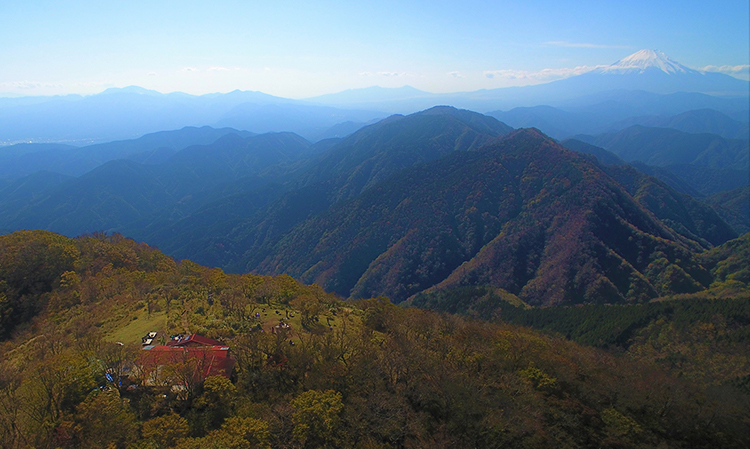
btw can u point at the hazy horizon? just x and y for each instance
(298, 50)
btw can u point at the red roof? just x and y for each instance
(194, 340)
(194, 354)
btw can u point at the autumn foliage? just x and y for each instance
(365, 374)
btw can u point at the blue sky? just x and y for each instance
(299, 49)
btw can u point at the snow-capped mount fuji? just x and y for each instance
(650, 71)
(647, 71)
(646, 60)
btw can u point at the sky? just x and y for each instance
(300, 49)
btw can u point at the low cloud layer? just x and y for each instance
(539, 75)
(737, 71)
(28, 85)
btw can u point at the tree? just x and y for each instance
(10, 407)
(316, 418)
(58, 384)
(31, 263)
(116, 357)
(165, 430)
(104, 420)
(214, 405)
(309, 307)
(236, 433)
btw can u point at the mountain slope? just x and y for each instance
(522, 214)
(73, 161)
(20, 192)
(371, 155)
(734, 207)
(375, 375)
(349, 167)
(694, 180)
(662, 147)
(554, 122)
(681, 212)
(708, 180)
(673, 201)
(109, 196)
(123, 194)
(696, 122)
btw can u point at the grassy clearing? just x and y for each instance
(132, 330)
(129, 330)
(326, 320)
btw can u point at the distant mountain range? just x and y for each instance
(663, 147)
(123, 193)
(23, 159)
(131, 112)
(697, 122)
(646, 83)
(597, 119)
(646, 70)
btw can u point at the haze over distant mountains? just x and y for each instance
(645, 83)
(131, 112)
(646, 70)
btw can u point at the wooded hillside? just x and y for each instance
(347, 374)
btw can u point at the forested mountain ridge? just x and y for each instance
(377, 151)
(734, 207)
(523, 214)
(697, 121)
(435, 199)
(344, 170)
(376, 375)
(613, 117)
(684, 214)
(124, 194)
(701, 336)
(729, 279)
(24, 159)
(599, 246)
(692, 182)
(662, 147)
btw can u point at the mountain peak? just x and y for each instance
(131, 90)
(371, 94)
(643, 60)
(438, 110)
